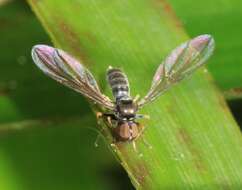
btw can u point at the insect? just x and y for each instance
(179, 64)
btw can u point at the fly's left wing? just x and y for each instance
(181, 63)
(63, 68)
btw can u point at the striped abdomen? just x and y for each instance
(119, 83)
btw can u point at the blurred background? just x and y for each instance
(41, 150)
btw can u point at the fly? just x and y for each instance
(179, 64)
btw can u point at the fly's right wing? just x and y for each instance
(63, 68)
(181, 63)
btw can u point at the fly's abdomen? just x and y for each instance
(118, 82)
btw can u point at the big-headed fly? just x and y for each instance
(179, 64)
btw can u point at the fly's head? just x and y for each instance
(126, 109)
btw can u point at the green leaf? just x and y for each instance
(195, 141)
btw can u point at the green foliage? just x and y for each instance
(196, 143)
(46, 142)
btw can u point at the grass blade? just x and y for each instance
(196, 143)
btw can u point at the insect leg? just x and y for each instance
(99, 116)
(141, 116)
(142, 128)
(97, 140)
(135, 148)
(136, 98)
(110, 118)
(146, 143)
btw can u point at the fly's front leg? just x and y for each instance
(99, 116)
(111, 119)
(106, 117)
(141, 116)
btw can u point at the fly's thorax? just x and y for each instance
(118, 82)
(126, 109)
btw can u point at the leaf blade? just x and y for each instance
(117, 33)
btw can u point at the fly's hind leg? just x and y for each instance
(136, 98)
(146, 143)
(141, 131)
(135, 148)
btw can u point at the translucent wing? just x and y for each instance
(63, 68)
(181, 63)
